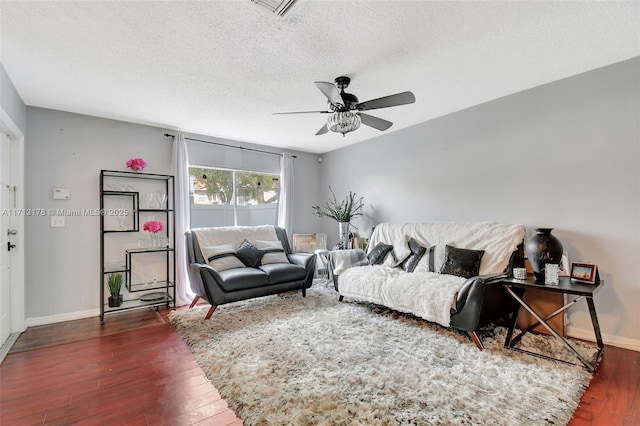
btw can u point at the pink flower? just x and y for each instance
(136, 164)
(153, 226)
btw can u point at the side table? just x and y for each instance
(517, 288)
(324, 256)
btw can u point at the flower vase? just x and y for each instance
(343, 227)
(542, 249)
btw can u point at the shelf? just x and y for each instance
(121, 193)
(109, 269)
(158, 285)
(137, 303)
(135, 175)
(149, 250)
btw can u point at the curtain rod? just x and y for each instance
(169, 135)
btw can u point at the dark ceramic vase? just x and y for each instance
(543, 248)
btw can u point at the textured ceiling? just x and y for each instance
(221, 68)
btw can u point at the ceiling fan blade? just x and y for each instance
(387, 101)
(375, 122)
(324, 129)
(302, 112)
(330, 91)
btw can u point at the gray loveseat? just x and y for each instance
(219, 287)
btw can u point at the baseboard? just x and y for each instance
(51, 319)
(608, 339)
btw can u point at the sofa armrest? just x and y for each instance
(302, 259)
(470, 284)
(341, 260)
(198, 267)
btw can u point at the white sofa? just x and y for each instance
(466, 301)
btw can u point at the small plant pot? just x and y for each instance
(115, 301)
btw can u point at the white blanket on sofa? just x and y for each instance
(498, 240)
(235, 235)
(427, 295)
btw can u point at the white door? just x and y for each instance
(5, 226)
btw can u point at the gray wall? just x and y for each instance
(564, 155)
(69, 150)
(11, 102)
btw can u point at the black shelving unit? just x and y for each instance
(123, 187)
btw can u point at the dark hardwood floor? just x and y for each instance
(148, 376)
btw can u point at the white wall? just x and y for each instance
(69, 150)
(564, 155)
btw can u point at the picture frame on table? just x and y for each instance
(309, 243)
(584, 273)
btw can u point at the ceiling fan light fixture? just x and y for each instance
(343, 122)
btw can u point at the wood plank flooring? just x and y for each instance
(148, 376)
(145, 376)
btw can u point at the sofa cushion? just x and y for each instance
(249, 254)
(461, 262)
(417, 252)
(283, 272)
(222, 257)
(243, 278)
(273, 251)
(378, 253)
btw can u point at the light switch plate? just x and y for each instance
(57, 221)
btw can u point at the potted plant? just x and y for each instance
(115, 284)
(342, 212)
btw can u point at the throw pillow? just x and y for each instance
(378, 253)
(461, 262)
(417, 251)
(249, 254)
(399, 252)
(222, 257)
(273, 251)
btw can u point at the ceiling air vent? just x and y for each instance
(279, 7)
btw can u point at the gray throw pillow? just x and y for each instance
(417, 251)
(249, 254)
(461, 262)
(378, 253)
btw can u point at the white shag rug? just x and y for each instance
(316, 361)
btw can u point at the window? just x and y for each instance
(221, 197)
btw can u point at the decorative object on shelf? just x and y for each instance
(154, 297)
(154, 226)
(551, 274)
(136, 164)
(584, 273)
(543, 248)
(342, 212)
(115, 284)
(520, 273)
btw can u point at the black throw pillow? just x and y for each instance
(378, 253)
(417, 251)
(461, 262)
(249, 254)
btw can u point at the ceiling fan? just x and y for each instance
(346, 111)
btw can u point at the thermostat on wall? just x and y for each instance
(61, 193)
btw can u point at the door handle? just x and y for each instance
(10, 246)
(11, 232)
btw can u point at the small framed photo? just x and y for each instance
(584, 272)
